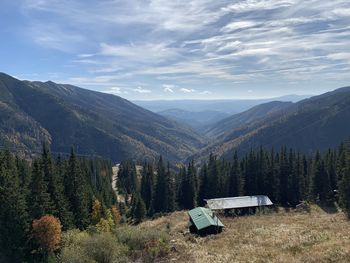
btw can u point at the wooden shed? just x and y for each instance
(203, 221)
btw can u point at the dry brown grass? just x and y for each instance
(276, 237)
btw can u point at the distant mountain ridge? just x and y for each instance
(199, 121)
(317, 123)
(96, 123)
(201, 114)
(229, 106)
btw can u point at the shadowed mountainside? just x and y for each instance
(94, 122)
(312, 124)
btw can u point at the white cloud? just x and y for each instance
(253, 5)
(142, 90)
(168, 88)
(115, 91)
(195, 41)
(205, 92)
(340, 56)
(145, 52)
(238, 25)
(184, 90)
(85, 55)
(341, 12)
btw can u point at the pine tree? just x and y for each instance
(76, 189)
(284, 173)
(171, 194)
(321, 187)
(40, 199)
(272, 182)
(213, 178)
(25, 175)
(138, 209)
(204, 186)
(330, 163)
(161, 189)
(251, 180)
(304, 180)
(14, 219)
(56, 189)
(147, 187)
(127, 177)
(344, 183)
(235, 181)
(188, 190)
(262, 172)
(294, 194)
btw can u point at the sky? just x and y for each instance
(179, 49)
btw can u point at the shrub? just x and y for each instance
(147, 242)
(80, 247)
(104, 248)
(103, 226)
(73, 247)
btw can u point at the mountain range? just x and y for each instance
(317, 123)
(229, 106)
(109, 126)
(202, 114)
(95, 123)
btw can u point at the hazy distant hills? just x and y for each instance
(198, 120)
(309, 125)
(225, 106)
(201, 114)
(96, 123)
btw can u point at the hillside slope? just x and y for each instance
(96, 123)
(283, 237)
(247, 117)
(317, 123)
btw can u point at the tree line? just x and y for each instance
(64, 188)
(286, 176)
(77, 192)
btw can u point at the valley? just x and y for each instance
(184, 131)
(108, 126)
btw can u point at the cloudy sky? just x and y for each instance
(179, 49)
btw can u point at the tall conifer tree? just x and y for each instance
(56, 189)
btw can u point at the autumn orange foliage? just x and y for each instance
(47, 233)
(96, 213)
(116, 215)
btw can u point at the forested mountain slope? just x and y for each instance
(96, 123)
(247, 117)
(309, 125)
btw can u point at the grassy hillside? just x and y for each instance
(280, 237)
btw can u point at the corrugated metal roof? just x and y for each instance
(204, 217)
(238, 202)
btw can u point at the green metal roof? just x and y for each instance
(204, 217)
